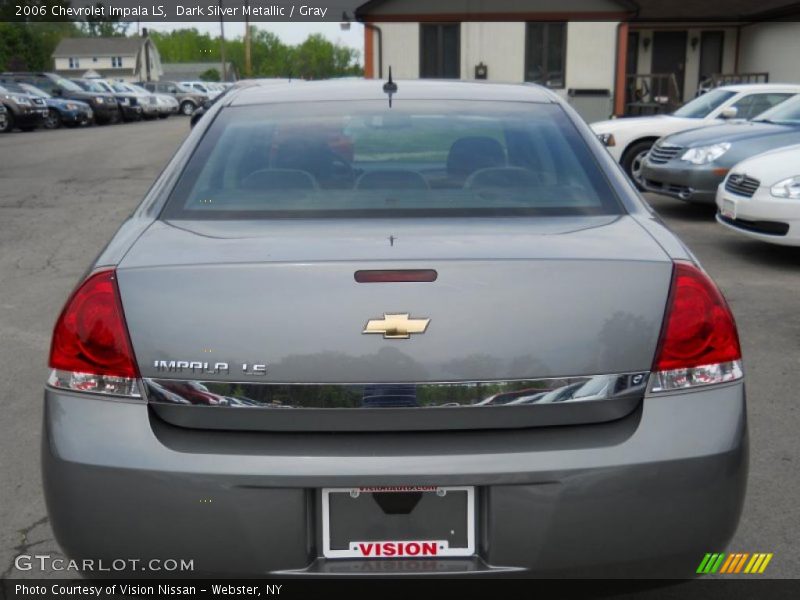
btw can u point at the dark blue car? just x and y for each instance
(60, 110)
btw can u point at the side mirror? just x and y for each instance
(196, 116)
(729, 112)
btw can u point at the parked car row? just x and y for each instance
(749, 166)
(33, 100)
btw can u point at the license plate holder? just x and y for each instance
(728, 208)
(398, 522)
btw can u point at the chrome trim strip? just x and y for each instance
(310, 396)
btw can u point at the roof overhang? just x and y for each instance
(651, 11)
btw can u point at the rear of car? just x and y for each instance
(760, 198)
(433, 324)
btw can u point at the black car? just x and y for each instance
(128, 105)
(23, 111)
(104, 106)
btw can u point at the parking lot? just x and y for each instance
(64, 192)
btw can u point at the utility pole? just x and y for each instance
(222, 42)
(248, 66)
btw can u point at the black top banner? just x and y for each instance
(180, 10)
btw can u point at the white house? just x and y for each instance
(128, 58)
(604, 56)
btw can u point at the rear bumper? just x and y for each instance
(691, 184)
(647, 495)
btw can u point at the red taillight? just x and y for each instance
(396, 276)
(699, 328)
(90, 335)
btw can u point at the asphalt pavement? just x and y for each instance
(63, 194)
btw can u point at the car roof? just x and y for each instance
(372, 89)
(762, 87)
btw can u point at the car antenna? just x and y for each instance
(390, 87)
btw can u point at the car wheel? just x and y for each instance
(8, 125)
(632, 161)
(187, 108)
(53, 119)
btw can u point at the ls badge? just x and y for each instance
(396, 326)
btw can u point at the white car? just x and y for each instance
(202, 87)
(760, 197)
(629, 139)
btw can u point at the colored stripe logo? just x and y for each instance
(734, 562)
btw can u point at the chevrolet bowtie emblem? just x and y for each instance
(396, 326)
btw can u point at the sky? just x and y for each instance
(290, 33)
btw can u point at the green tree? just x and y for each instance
(106, 26)
(30, 46)
(316, 58)
(210, 75)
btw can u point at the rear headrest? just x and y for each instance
(469, 154)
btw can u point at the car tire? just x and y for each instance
(8, 127)
(53, 119)
(632, 161)
(187, 108)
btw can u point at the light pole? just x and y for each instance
(248, 67)
(222, 42)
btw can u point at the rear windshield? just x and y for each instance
(417, 158)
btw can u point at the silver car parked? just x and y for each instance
(410, 320)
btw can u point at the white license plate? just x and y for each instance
(728, 208)
(355, 523)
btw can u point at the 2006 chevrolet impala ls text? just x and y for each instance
(359, 321)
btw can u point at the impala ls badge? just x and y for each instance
(396, 326)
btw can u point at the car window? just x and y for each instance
(364, 159)
(14, 87)
(704, 105)
(43, 83)
(753, 105)
(67, 85)
(787, 113)
(31, 89)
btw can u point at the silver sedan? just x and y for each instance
(425, 321)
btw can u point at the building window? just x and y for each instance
(116, 61)
(440, 51)
(74, 63)
(546, 54)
